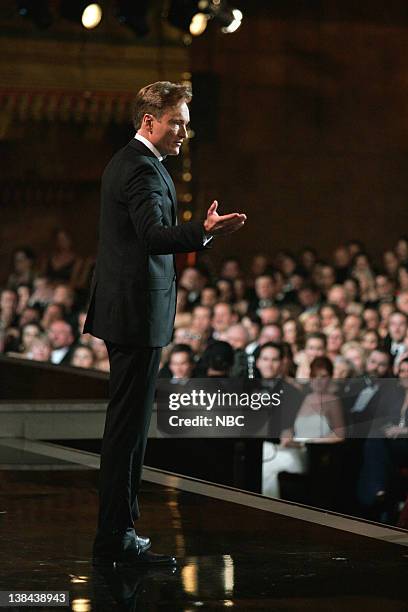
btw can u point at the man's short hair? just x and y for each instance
(274, 345)
(309, 286)
(399, 312)
(316, 336)
(182, 348)
(158, 97)
(383, 351)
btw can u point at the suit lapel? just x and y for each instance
(143, 150)
(169, 182)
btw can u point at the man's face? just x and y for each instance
(230, 269)
(356, 357)
(52, 313)
(341, 257)
(201, 321)
(403, 374)
(383, 286)
(377, 364)
(371, 318)
(265, 287)
(237, 337)
(327, 277)
(168, 132)
(269, 363)
(180, 365)
(28, 316)
(63, 295)
(397, 327)
(222, 317)
(402, 302)
(60, 335)
(8, 300)
(208, 296)
(269, 315)
(190, 279)
(337, 296)
(351, 327)
(307, 297)
(270, 333)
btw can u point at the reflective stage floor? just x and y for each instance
(231, 555)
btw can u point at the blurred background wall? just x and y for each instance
(300, 119)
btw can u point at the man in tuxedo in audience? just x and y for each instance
(394, 342)
(132, 304)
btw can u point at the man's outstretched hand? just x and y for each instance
(220, 225)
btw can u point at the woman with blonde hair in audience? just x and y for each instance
(354, 352)
(343, 368)
(41, 349)
(310, 322)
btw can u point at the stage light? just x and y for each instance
(88, 14)
(192, 16)
(134, 15)
(37, 11)
(198, 24)
(91, 17)
(189, 15)
(229, 19)
(235, 23)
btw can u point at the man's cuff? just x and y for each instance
(207, 238)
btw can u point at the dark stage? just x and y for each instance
(249, 553)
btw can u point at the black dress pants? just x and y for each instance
(133, 373)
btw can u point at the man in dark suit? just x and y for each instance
(132, 305)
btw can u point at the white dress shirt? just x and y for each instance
(58, 355)
(150, 146)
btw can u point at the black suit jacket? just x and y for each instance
(133, 291)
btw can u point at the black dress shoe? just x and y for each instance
(143, 543)
(130, 558)
(106, 552)
(134, 558)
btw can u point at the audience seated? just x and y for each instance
(346, 315)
